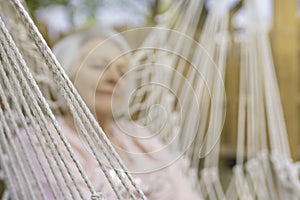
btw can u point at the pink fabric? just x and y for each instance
(149, 162)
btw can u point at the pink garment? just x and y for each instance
(156, 172)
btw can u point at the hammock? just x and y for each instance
(23, 103)
(264, 169)
(195, 100)
(189, 87)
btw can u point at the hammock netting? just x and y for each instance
(179, 95)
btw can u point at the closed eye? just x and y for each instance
(98, 66)
(121, 72)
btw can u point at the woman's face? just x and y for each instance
(99, 78)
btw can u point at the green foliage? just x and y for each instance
(87, 9)
(36, 4)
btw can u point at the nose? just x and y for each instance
(113, 75)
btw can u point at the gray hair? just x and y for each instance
(68, 52)
(69, 49)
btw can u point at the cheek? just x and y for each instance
(85, 92)
(100, 82)
(99, 78)
(83, 83)
(86, 87)
(121, 91)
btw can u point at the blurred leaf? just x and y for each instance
(33, 5)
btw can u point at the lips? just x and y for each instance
(105, 92)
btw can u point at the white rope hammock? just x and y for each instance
(183, 77)
(195, 96)
(21, 94)
(267, 171)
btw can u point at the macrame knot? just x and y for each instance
(97, 196)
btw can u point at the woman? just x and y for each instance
(100, 72)
(102, 78)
